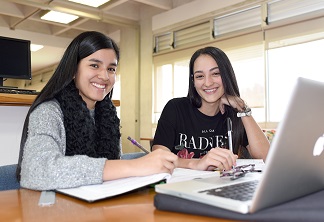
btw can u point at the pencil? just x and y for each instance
(137, 144)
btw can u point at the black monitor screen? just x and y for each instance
(15, 59)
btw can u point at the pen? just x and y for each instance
(137, 144)
(229, 132)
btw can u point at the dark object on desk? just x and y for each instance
(15, 59)
(307, 208)
(8, 180)
(18, 91)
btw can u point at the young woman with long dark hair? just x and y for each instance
(71, 133)
(195, 127)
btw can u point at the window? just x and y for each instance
(248, 64)
(171, 80)
(116, 93)
(285, 65)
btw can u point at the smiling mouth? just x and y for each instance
(99, 86)
(210, 90)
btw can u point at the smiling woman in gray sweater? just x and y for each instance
(71, 133)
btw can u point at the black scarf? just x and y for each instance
(98, 137)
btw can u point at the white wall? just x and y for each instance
(11, 124)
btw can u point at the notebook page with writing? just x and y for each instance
(112, 188)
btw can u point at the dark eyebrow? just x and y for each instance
(99, 61)
(212, 69)
(95, 60)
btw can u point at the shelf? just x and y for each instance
(25, 100)
(16, 99)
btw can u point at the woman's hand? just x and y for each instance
(220, 158)
(258, 143)
(158, 161)
(233, 101)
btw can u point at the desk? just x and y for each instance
(22, 205)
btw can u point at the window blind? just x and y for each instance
(163, 42)
(193, 34)
(279, 10)
(244, 19)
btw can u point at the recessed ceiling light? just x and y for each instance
(34, 47)
(59, 17)
(92, 3)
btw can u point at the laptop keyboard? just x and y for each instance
(241, 191)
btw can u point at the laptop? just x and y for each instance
(293, 168)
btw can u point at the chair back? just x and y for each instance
(8, 180)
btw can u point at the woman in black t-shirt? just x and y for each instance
(195, 127)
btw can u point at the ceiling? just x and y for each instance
(21, 19)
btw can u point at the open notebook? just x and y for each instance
(113, 188)
(294, 165)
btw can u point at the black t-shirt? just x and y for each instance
(189, 133)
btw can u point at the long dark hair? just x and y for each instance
(230, 88)
(82, 46)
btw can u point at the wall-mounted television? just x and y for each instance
(15, 59)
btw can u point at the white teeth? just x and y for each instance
(210, 90)
(98, 85)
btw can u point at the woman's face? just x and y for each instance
(207, 80)
(96, 76)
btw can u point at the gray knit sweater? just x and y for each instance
(44, 165)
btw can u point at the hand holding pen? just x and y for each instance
(137, 144)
